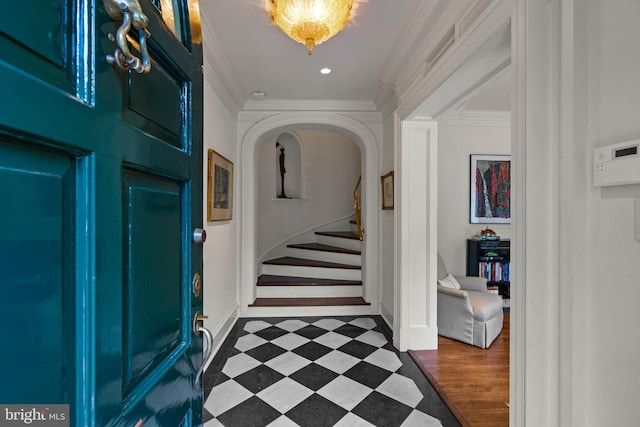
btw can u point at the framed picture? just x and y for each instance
(219, 187)
(490, 189)
(387, 191)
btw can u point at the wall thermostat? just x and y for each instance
(617, 164)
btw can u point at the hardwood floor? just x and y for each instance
(473, 382)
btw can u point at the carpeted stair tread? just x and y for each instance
(300, 262)
(342, 234)
(324, 248)
(307, 302)
(273, 280)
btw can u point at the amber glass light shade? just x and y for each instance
(194, 17)
(310, 22)
(167, 9)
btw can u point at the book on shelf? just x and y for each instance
(494, 271)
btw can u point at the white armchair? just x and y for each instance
(470, 314)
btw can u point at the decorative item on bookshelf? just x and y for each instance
(487, 234)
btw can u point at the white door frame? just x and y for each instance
(481, 53)
(416, 228)
(456, 75)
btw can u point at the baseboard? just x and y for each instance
(386, 316)
(223, 332)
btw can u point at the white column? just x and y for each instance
(416, 236)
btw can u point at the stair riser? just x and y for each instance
(354, 228)
(324, 256)
(342, 310)
(313, 272)
(339, 242)
(308, 291)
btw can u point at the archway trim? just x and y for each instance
(366, 140)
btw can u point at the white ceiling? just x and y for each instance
(366, 57)
(265, 59)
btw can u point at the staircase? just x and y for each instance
(322, 277)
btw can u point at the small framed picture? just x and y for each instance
(490, 189)
(387, 191)
(219, 187)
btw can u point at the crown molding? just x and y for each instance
(218, 71)
(476, 118)
(495, 18)
(308, 105)
(402, 53)
(389, 106)
(361, 116)
(402, 50)
(211, 79)
(437, 38)
(384, 95)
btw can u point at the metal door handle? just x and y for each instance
(130, 13)
(197, 328)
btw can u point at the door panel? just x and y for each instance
(153, 314)
(36, 274)
(158, 103)
(43, 35)
(101, 174)
(43, 46)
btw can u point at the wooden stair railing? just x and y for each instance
(356, 207)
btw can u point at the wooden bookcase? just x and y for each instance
(491, 259)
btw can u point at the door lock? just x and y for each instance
(196, 285)
(199, 236)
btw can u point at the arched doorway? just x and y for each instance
(368, 143)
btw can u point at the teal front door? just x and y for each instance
(101, 192)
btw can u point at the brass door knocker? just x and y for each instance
(130, 13)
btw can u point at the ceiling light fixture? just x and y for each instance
(325, 70)
(310, 22)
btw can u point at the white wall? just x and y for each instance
(613, 288)
(386, 265)
(330, 170)
(576, 341)
(455, 145)
(220, 250)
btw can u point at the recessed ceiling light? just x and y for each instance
(325, 70)
(258, 95)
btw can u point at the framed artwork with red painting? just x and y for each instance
(490, 189)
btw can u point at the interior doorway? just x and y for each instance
(445, 102)
(478, 126)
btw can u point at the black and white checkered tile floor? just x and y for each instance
(308, 372)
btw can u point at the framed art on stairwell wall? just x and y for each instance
(387, 190)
